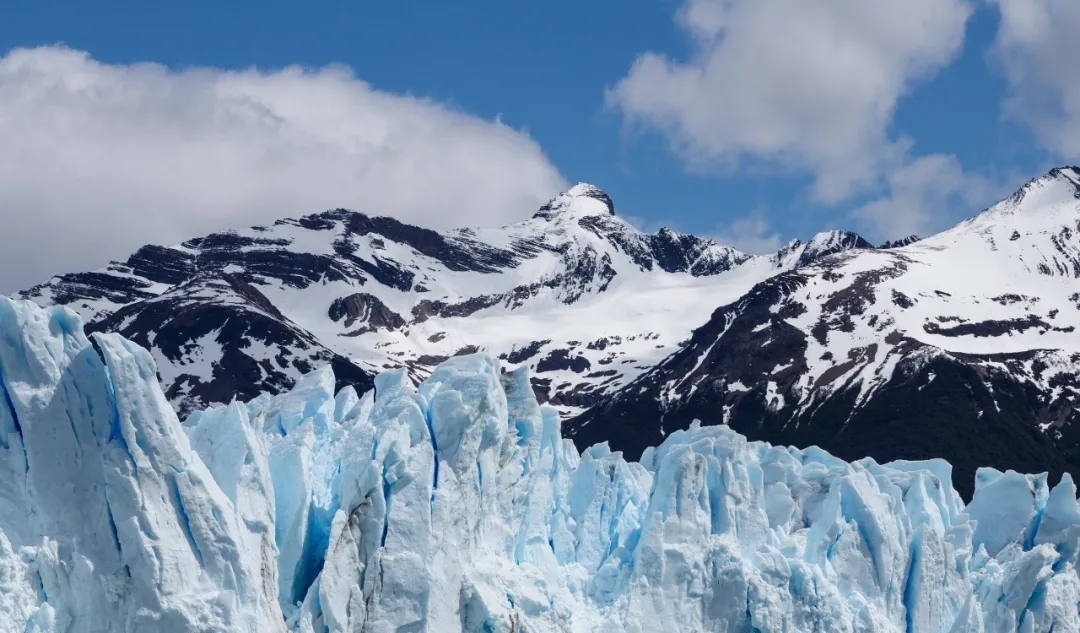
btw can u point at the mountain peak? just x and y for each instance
(796, 253)
(836, 240)
(1048, 201)
(1071, 172)
(1059, 180)
(581, 200)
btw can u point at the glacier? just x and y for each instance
(458, 506)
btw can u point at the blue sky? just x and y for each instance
(553, 70)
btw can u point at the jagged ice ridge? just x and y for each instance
(458, 506)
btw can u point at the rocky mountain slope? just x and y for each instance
(575, 292)
(960, 345)
(963, 345)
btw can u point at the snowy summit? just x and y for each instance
(581, 200)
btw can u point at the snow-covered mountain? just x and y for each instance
(575, 292)
(962, 345)
(458, 506)
(959, 345)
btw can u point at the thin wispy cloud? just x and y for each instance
(751, 234)
(1037, 46)
(922, 196)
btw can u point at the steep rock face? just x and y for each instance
(233, 314)
(366, 308)
(904, 241)
(216, 338)
(962, 346)
(458, 506)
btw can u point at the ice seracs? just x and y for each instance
(109, 520)
(458, 506)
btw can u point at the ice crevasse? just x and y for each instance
(458, 506)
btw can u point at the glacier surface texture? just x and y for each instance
(458, 506)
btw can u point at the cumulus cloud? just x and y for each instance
(924, 196)
(98, 159)
(804, 86)
(1037, 46)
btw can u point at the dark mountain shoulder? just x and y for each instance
(227, 324)
(747, 367)
(955, 416)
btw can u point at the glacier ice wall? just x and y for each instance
(458, 506)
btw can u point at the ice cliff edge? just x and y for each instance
(458, 506)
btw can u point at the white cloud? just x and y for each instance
(922, 197)
(751, 234)
(98, 159)
(1037, 46)
(804, 85)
